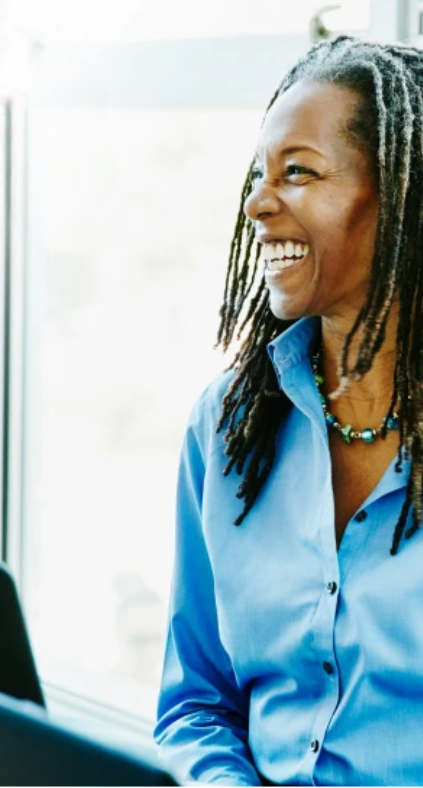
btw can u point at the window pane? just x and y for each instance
(130, 217)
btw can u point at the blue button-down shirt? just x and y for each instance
(286, 657)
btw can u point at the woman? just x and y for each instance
(295, 645)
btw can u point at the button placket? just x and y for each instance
(326, 664)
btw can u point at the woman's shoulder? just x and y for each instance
(209, 403)
(207, 409)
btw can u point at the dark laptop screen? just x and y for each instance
(18, 674)
(33, 749)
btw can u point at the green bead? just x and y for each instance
(319, 380)
(347, 432)
(367, 435)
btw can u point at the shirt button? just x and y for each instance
(328, 668)
(331, 587)
(360, 516)
(314, 745)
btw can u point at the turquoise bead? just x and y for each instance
(322, 399)
(367, 435)
(331, 418)
(392, 423)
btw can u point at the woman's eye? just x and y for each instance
(293, 171)
(256, 173)
(296, 170)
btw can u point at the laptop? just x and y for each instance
(18, 674)
(33, 749)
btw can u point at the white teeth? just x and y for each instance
(279, 265)
(283, 254)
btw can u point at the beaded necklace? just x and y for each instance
(348, 433)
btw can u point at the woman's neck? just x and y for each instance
(364, 401)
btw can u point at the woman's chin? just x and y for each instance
(287, 308)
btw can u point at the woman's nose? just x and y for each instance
(262, 202)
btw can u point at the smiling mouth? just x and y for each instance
(278, 256)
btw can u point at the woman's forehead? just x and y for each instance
(308, 114)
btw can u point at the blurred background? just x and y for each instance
(127, 127)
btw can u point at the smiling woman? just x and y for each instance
(289, 658)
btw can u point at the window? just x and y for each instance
(130, 212)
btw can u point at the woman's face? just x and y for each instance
(314, 205)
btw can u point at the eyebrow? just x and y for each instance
(294, 149)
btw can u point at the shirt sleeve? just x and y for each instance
(202, 726)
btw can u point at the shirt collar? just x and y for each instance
(295, 343)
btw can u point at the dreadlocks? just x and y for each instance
(388, 123)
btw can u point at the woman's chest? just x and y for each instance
(357, 469)
(274, 575)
